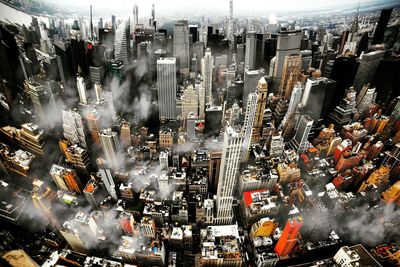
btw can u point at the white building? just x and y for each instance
(166, 80)
(233, 143)
(248, 124)
(111, 148)
(73, 127)
(207, 64)
(81, 85)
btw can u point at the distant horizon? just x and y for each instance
(220, 8)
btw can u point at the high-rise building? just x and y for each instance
(248, 124)
(207, 65)
(300, 139)
(201, 93)
(153, 16)
(121, 43)
(213, 121)
(288, 44)
(191, 126)
(193, 30)
(250, 81)
(291, 65)
(111, 148)
(365, 98)
(29, 137)
(181, 45)
(214, 169)
(379, 32)
(79, 59)
(73, 238)
(94, 192)
(166, 138)
(276, 145)
(108, 181)
(233, 142)
(306, 59)
(344, 70)
(135, 20)
(73, 127)
(230, 31)
(343, 113)
(113, 20)
(97, 74)
(126, 138)
(189, 102)
(39, 98)
(81, 86)
(368, 65)
(317, 96)
(289, 237)
(262, 93)
(76, 155)
(66, 179)
(295, 99)
(166, 80)
(94, 126)
(42, 198)
(250, 54)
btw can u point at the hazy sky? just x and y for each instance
(241, 7)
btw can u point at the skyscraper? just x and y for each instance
(343, 113)
(189, 102)
(108, 181)
(233, 142)
(78, 49)
(207, 65)
(250, 54)
(153, 16)
(288, 44)
(213, 121)
(251, 78)
(73, 127)
(42, 198)
(135, 20)
(295, 99)
(291, 64)
(317, 96)
(181, 45)
(39, 98)
(113, 19)
(111, 148)
(166, 80)
(121, 44)
(344, 70)
(262, 93)
(368, 65)
(300, 139)
(248, 124)
(126, 138)
(66, 179)
(191, 126)
(81, 86)
(229, 32)
(289, 237)
(381, 27)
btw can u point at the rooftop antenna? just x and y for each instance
(91, 23)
